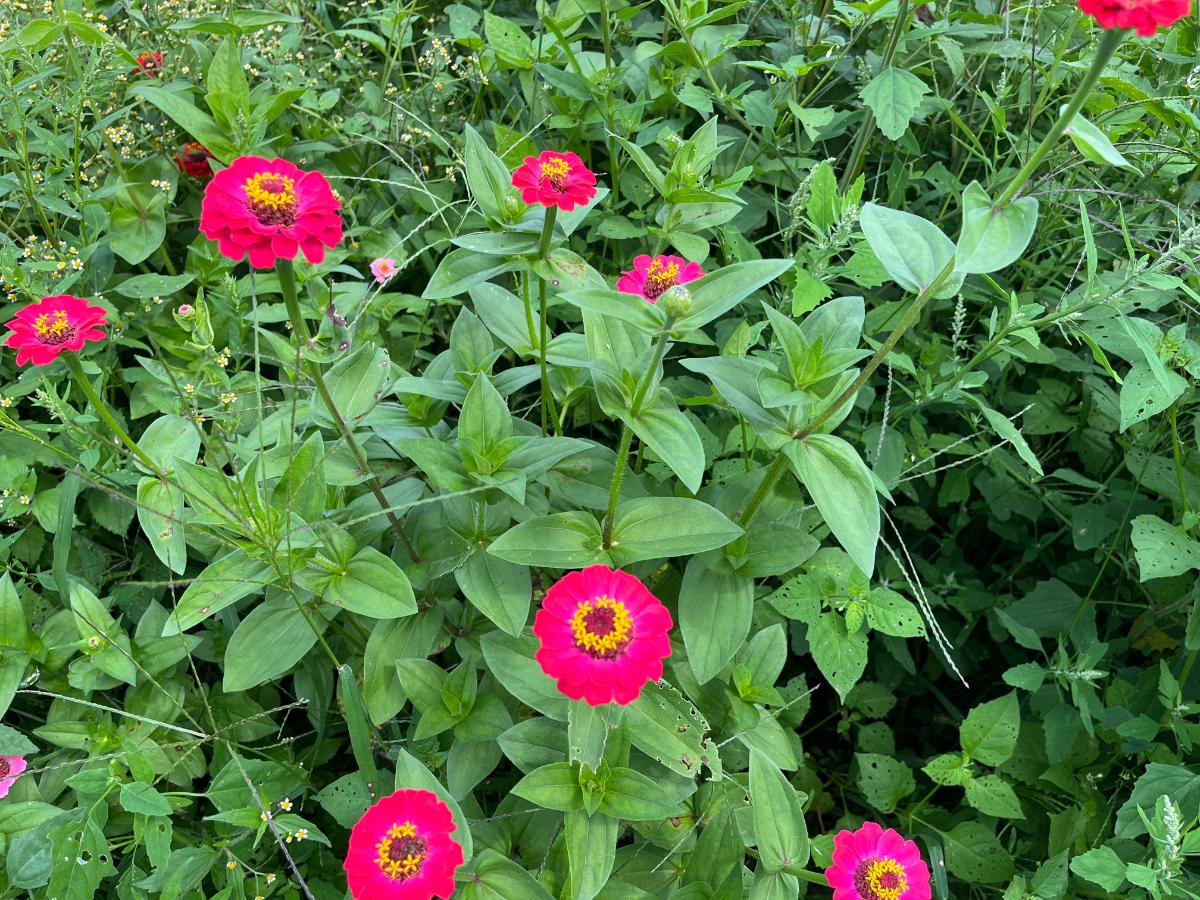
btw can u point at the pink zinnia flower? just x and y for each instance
(383, 269)
(45, 329)
(1145, 15)
(555, 179)
(603, 635)
(873, 864)
(269, 209)
(10, 768)
(401, 849)
(652, 275)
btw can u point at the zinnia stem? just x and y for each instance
(774, 472)
(635, 408)
(548, 413)
(287, 284)
(106, 415)
(1108, 46)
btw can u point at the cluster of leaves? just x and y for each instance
(971, 613)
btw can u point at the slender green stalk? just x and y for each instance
(635, 408)
(72, 361)
(1109, 43)
(1176, 450)
(287, 284)
(774, 473)
(548, 414)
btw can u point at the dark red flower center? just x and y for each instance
(602, 628)
(659, 277)
(401, 852)
(5, 768)
(880, 879)
(53, 328)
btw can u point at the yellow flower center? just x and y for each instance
(400, 853)
(602, 627)
(53, 327)
(659, 277)
(555, 171)
(881, 879)
(272, 198)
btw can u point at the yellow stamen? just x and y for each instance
(271, 197)
(602, 628)
(661, 276)
(401, 852)
(556, 170)
(53, 328)
(896, 885)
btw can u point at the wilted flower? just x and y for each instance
(651, 275)
(873, 864)
(401, 849)
(555, 179)
(148, 64)
(603, 635)
(44, 329)
(269, 209)
(194, 160)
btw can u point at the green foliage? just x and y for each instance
(913, 466)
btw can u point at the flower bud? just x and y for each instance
(676, 301)
(186, 309)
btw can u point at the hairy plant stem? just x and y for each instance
(548, 413)
(635, 408)
(287, 284)
(1109, 43)
(72, 361)
(774, 473)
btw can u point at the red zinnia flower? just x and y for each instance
(401, 849)
(555, 179)
(873, 864)
(10, 768)
(44, 329)
(193, 160)
(1144, 15)
(148, 64)
(652, 275)
(269, 209)
(603, 635)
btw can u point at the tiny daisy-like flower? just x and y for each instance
(25, 499)
(271, 878)
(1147, 16)
(269, 210)
(285, 804)
(6, 402)
(873, 864)
(555, 179)
(301, 833)
(194, 160)
(231, 865)
(10, 768)
(189, 388)
(401, 849)
(651, 276)
(45, 329)
(264, 816)
(603, 635)
(383, 269)
(200, 420)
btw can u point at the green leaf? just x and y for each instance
(1180, 783)
(669, 729)
(137, 797)
(591, 842)
(461, 270)
(587, 731)
(512, 661)
(508, 41)
(884, 781)
(14, 631)
(1143, 395)
(912, 250)
(136, 233)
(715, 609)
(372, 585)
(779, 829)
(657, 527)
(410, 773)
(634, 797)
(646, 317)
(1100, 866)
(894, 95)
(224, 582)
(975, 855)
(160, 516)
(1006, 429)
(993, 796)
(569, 540)
(843, 490)
(267, 643)
(989, 733)
(991, 238)
(226, 77)
(892, 614)
(95, 624)
(1094, 144)
(355, 383)
(496, 877)
(720, 291)
(555, 786)
(499, 589)
(1162, 549)
(187, 116)
(143, 287)
(13, 743)
(487, 176)
(948, 769)
(841, 657)
(673, 438)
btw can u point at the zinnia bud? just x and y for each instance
(676, 301)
